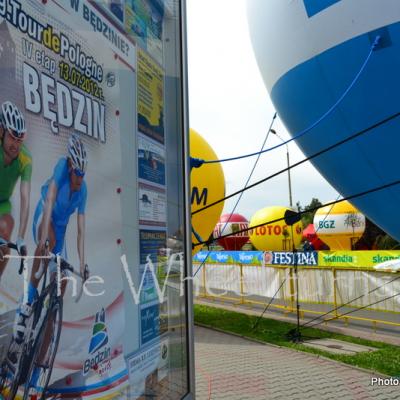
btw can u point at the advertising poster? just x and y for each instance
(59, 192)
(150, 97)
(152, 205)
(149, 323)
(151, 242)
(142, 363)
(144, 21)
(148, 293)
(151, 161)
(163, 365)
(83, 191)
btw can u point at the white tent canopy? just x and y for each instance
(389, 266)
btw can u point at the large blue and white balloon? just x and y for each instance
(308, 52)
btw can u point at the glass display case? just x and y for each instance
(94, 216)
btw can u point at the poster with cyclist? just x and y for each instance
(62, 117)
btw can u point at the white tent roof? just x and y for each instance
(389, 266)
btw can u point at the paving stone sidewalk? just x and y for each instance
(229, 367)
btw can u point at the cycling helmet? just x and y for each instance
(77, 153)
(12, 119)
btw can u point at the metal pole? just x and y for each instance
(334, 291)
(288, 166)
(241, 285)
(296, 272)
(292, 294)
(296, 336)
(204, 281)
(289, 180)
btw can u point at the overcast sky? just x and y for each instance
(231, 109)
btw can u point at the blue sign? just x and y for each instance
(230, 257)
(248, 257)
(289, 258)
(257, 257)
(151, 243)
(149, 323)
(151, 166)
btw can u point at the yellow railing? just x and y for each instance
(359, 281)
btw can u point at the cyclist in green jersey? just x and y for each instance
(15, 163)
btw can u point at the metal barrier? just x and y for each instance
(333, 286)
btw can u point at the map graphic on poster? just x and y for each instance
(150, 97)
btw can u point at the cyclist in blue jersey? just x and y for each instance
(61, 196)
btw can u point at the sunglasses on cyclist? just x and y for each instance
(17, 136)
(79, 173)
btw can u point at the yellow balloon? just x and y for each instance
(207, 186)
(340, 226)
(276, 236)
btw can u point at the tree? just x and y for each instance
(308, 216)
(375, 238)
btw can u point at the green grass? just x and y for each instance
(385, 360)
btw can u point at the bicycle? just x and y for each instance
(6, 368)
(43, 325)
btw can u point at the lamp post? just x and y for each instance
(288, 166)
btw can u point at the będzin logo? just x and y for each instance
(99, 359)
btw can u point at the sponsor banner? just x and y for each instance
(151, 161)
(351, 259)
(229, 257)
(300, 258)
(150, 99)
(152, 205)
(365, 259)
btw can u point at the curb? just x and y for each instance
(392, 340)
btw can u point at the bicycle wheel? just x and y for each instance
(10, 371)
(44, 353)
